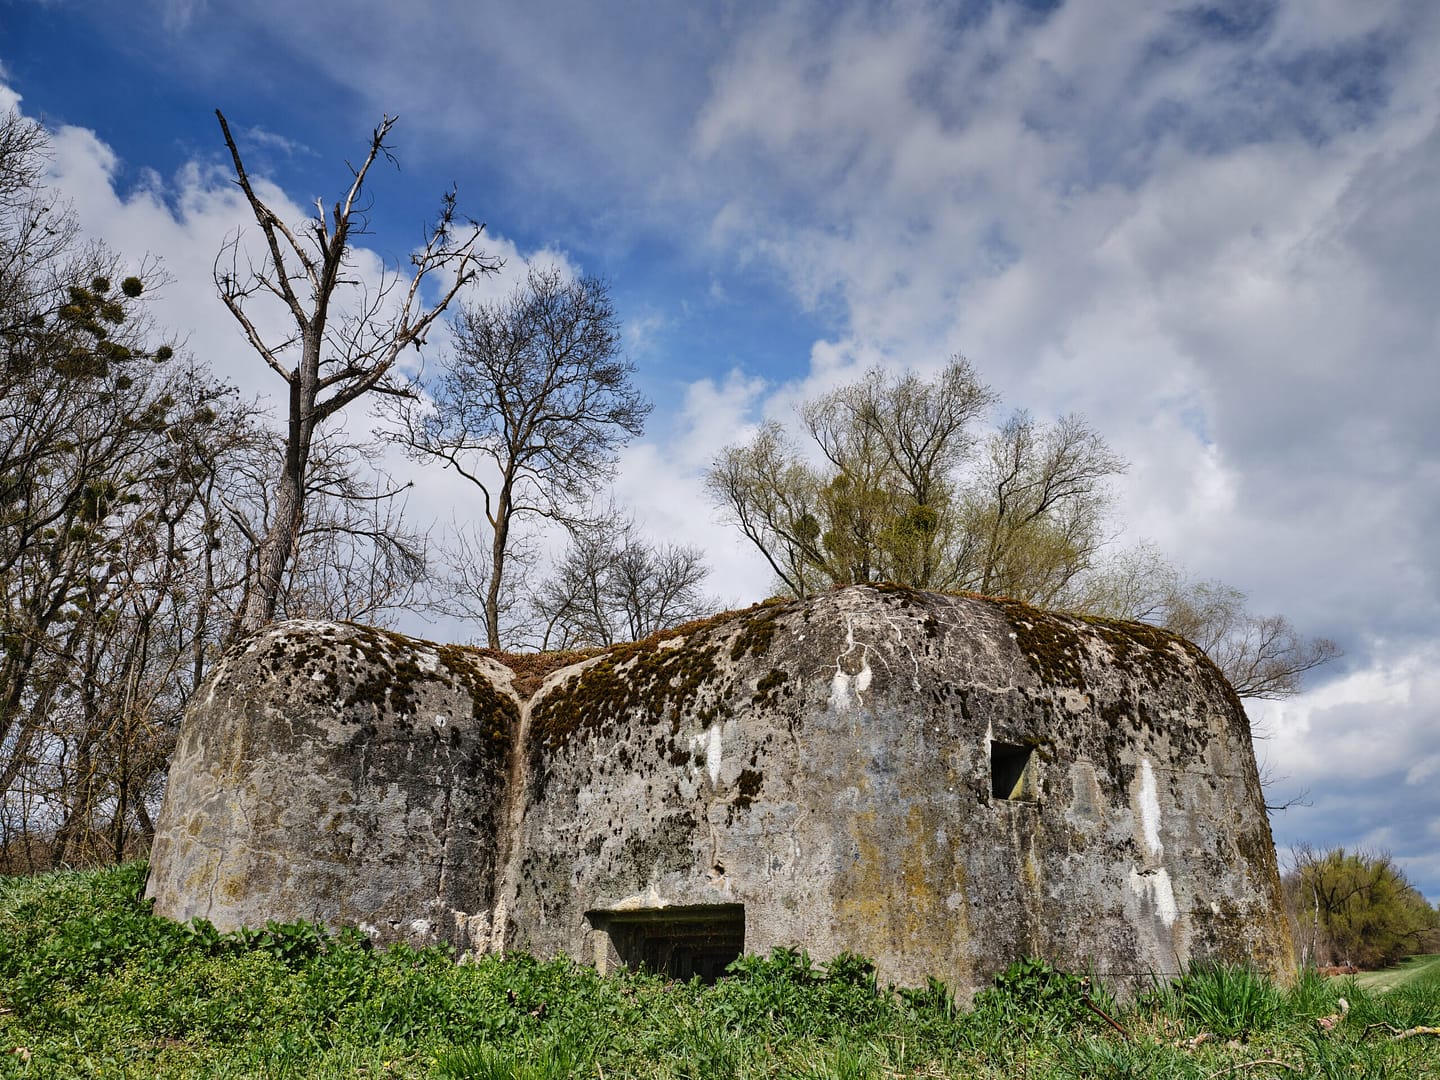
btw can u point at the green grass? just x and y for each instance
(1415, 971)
(91, 984)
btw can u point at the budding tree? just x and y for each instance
(898, 487)
(342, 335)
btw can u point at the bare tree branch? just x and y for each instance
(339, 359)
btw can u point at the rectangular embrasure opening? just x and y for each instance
(679, 942)
(1010, 771)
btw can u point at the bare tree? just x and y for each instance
(613, 585)
(531, 408)
(332, 352)
(458, 581)
(356, 558)
(1263, 656)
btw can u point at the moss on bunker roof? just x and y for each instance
(663, 674)
(677, 670)
(1057, 645)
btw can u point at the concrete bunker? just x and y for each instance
(821, 774)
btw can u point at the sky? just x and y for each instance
(1213, 229)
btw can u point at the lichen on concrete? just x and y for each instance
(827, 764)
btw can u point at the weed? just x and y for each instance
(558, 1059)
(1033, 997)
(1228, 1000)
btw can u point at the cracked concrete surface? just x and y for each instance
(827, 764)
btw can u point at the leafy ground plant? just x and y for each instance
(92, 984)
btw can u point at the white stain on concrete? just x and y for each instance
(1149, 806)
(862, 678)
(842, 683)
(709, 744)
(712, 754)
(1154, 888)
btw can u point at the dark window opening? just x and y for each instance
(679, 942)
(1010, 771)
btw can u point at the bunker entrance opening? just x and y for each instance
(680, 942)
(1010, 771)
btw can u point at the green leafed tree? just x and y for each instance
(1356, 909)
(901, 486)
(900, 483)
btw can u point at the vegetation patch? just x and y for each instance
(768, 689)
(1143, 650)
(496, 715)
(658, 681)
(757, 632)
(660, 677)
(385, 667)
(747, 786)
(92, 984)
(1416, 971)
(1055, 652)
(1055, 646)
(532, 669)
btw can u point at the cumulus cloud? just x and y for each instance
(1217, 294)
(1363, 747)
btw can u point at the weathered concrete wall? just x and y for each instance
(342, 775)
(827, 765)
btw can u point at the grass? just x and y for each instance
(1415, 971)
(91, 984)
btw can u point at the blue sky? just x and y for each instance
(1212, 228)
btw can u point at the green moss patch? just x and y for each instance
(1055, 645)
(1049, 642)
(496, 715)
(660, 677)
(660, 681)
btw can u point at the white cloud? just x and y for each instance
(663, 483)
(1363, 747)
(273, 140)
